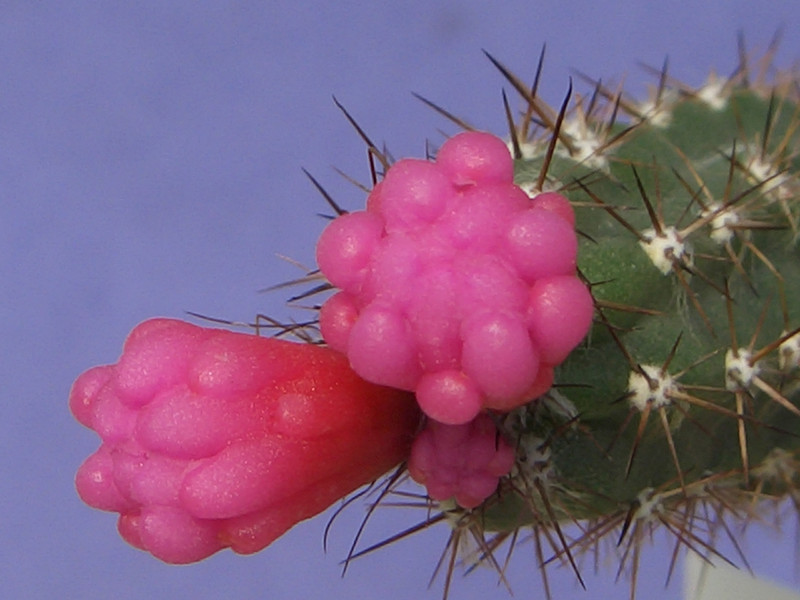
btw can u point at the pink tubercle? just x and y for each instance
(462, 462)
(540, 244)
(337, 316)
(413, 193)
(474, 157)
(449, 397)
(559, 314)
(382, 349)
(555, 203)
(146, 367)
(345, 247)
(500, 357)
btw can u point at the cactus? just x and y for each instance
(683, 400)
(681, 407)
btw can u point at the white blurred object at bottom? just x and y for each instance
(723, 582)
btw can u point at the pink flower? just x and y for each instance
(214, 439)
(455, 284)
(460, 462)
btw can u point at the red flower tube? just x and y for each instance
(215, 439)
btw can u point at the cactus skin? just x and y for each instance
(678, 317)
(686, 394)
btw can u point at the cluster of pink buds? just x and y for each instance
(457, 285)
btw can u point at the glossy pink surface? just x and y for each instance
(214, 439)
(463, 462)
(454, 283)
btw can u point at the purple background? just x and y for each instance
(150, 157)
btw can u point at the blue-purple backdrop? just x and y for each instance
(150, 163)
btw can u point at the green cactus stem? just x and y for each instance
(685, 397)
(686, 393)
